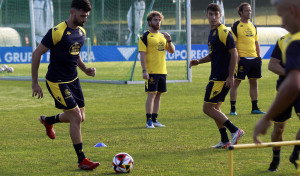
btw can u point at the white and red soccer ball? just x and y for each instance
(123, 163)
(4, 68)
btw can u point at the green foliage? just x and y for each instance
(115, 115)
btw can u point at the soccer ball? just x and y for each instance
(2, 70)
(10, 70)
(4, 67)
(122, 163)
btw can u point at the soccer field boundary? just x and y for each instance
(262, 145)
(28, 78)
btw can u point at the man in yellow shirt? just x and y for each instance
(245, 35)
(152, 46)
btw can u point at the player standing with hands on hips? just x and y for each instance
(246, 38)
(152, 46)
(223, 58)
(65, 41)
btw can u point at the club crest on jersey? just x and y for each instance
(161, 46)
(248, 32)
(214, 33)
(75, 48)
(68, 33)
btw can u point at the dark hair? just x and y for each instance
(84, 5)
(153, 14)
(241, 7)
(213, 7)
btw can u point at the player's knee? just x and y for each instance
(76, 116)
(206, 108)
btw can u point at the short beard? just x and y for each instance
(155, 27)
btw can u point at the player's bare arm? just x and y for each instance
(87, 70)
(257, 49)
(143, 63)
(200, 61)
(35, 64)
(232, 65)
(171, 47)
(283, 100)
(275, 67)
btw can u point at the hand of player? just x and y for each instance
(146, 75)
(167, 36)
(36, 90)
(229, 81)
(193, 63)
(90, 71)
(260, 128)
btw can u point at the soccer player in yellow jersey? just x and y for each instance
(245, 35)
(152, 48)
(289, 10)
(65, 41)
(223, 58)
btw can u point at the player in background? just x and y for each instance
(152, 46)
(289, 11)
(276, 66)
(65, 41)
(245, 36)
(223, 58)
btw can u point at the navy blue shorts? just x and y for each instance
(287, 114)
(67, 95)
(250, 68)
(156, 83)
(216, 92)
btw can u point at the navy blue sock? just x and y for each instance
(230, 126)
(296, 152)
(79, 152)
(149, 116)
(232, 103)
(224, 136)
(154, 117)
(52, 119)
(254, 105)
(276, 155)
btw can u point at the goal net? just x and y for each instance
(113, 29)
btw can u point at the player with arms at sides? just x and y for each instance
(276, 66)
(288, 92)
(245, 36)
(223, 58)
(152, 48)
(65, 41)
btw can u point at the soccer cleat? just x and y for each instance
(257, 111)
(274, 166)
(86, 164)
(149, 124)
(236, 136)
(157, 124)
(293, 161)
(221, 145)
(49, 128)
(233, 113)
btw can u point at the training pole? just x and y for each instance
(262, 145)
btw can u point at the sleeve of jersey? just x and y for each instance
(276, 52)
(47, 40)
(230, 43)
(234, 31)
(142, 46)
(293, 56)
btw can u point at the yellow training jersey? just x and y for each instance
(154, 45)
(245, 36)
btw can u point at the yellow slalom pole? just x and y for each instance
(262, 145)
(230, 162)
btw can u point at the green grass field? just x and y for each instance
(115, 115)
